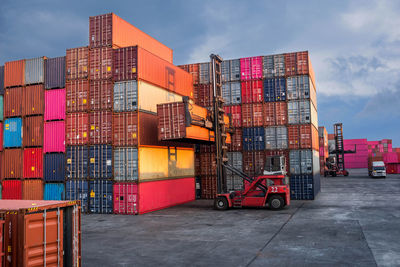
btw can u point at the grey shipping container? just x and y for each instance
(268, 63)
(1, 80)
(125, 96)
(231, 92)
(300, 87)
(55, 73)
(204, 73)
(230, 70)
(125, 164)
(276, 138)
(302, 112)
(233, 181)
(34, 70)
(279, 65)
(305, 161)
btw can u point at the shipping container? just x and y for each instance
(193, 69)
(77, 95)
(252, 91)
(78, 190)
(304, 66)
(100, 127)
(304, 161)
(125, 130)
(125, 164)
(54, 105)
(12, 132)
(231, 92)
(41, 233)
(1, 80)
(111, 31)
(125, 96)
(77, 63)
(158, 195)
(230, 70)
(303, 137)
(208, 164)
(236, 143)
(101, 95)
(236, 115)
(77, 162)
(275, 113)
(54, 136)
(204, 95)
(276, 138)
(204, 73)
(33, 163)
(101, 196)
(11, 189)
(233, 181)
(33, 131)
(12, 160)
(100, 161)
(301, 88)
(33, 100)
(14, 73)
(252, 115)
(32, 189)
(208, 186)
(290, 64)
(125, 198)
(54, 73)
(274, 66)
(54, 191)
(54, 167)
(274, 89)
(125, 64)
(13, 102)
(1, 108)
(34, 70)
(77, 129)
(268, 67)
(251, 68)
(302, 112)
(1, 137)
(253, 138)
(280, 152)
(253, 163)
(304, 187)
(101, 63)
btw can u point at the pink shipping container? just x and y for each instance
(54, 105)
(390, 157)
(54, 136)
(251, 68)
(125, 198)
(252, 91)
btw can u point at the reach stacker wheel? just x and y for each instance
(221, 203)
(276, 202)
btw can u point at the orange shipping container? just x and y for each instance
(14, 73)
(193, 69)
(303, 137)
(13, 102)
(77, 63)
(77, 95)
(33, 131)
(32, 189)
(12, 163)
(112, 31)
(275, 113)
(33, 100)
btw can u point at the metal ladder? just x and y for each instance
(338, 130)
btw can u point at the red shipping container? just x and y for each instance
(33, 131)
(77, 63)
(125, 130)
(32, 189)
(100, 127)
(236, 113)
(253, 162)
(252, 115)
(13, 102)
(54, 105)
(304, 66)
(125, 198)
(125, 64)
(303, 137)
(208, 164)
(14, 73)
(252, 91)
(77, 129)
(193, 69)
(33, 100)
(275, 113)
(236, 143)
(204, 95)
(208, 186)
(33, 163)
(77, 95)
(101, 63)
(290, 64)
(11, 164)
(12, 189)
(101, 95)
(54, 136)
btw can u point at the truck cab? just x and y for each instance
(378, 169)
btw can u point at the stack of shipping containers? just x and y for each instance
(323, 148)
(1, 120)
(272, 101)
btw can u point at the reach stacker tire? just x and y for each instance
(276, 202)
(221, 203)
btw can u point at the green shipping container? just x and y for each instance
(1, 108)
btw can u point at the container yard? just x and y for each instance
(219, 162)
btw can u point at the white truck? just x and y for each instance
(377, 169)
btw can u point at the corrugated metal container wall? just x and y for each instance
(78, 190)
(275, 113)
(126, 164)
(208, 187)
(1, 137)
(204, 96)
(252, 91)
(274, 66)
(290, 64)
(34, 70)
(77, 63)
(12, 132)
(150, 96)
(77, 162)
(33, 100)
(1, 80)
(302, 112)
(14, 73)
(253, 138)
(101, 63)
(101, 196)
(236, 141)
(251, 68)
(1, 108)
(304, 162)
(234, 182)
(279, 65)
(12, 102)
(32, 189)
(204, 73)
(232, 93)
(304, 187)
(230, 70)
(252, 115)
(268, 66)
(301, 87)
(54, 167)
(125, 64)
(303, 137)
(33, 163)
(101, 94)
(77, 129)
(208, 165)
(12, 163)
(253, 162)
(33, 131)
(12, 189)
(54, 108)
(54, 137)
(125, 198)
(284, 153)
(77, 95)
(276, 138)
(125, 96)
(100, 163)
(274, 89)
(55, 73)
(236, 113)
(193, 69)
(54, 192)
(100, 127)
(125, 130)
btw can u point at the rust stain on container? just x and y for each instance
(77, 95)
(13, 102)
(77, 129)
(33, 131)
(100, 127)
(12, 163)
(32, 189)
(33, 100)
(125, 129)
(14, 73)
(101, 63)
(77, 64)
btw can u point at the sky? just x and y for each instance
(354, 45)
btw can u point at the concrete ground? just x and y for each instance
(355, 221)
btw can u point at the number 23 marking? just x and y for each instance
(274, 189)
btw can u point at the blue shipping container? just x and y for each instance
(304, 187)
(253, 138)
(77, 162)
(275, 89)
(1, 108)
(54, 192)
(54, 167)
(1, 80)
(13, 132)
(78, 190)
(100, 163)
(101, 196)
